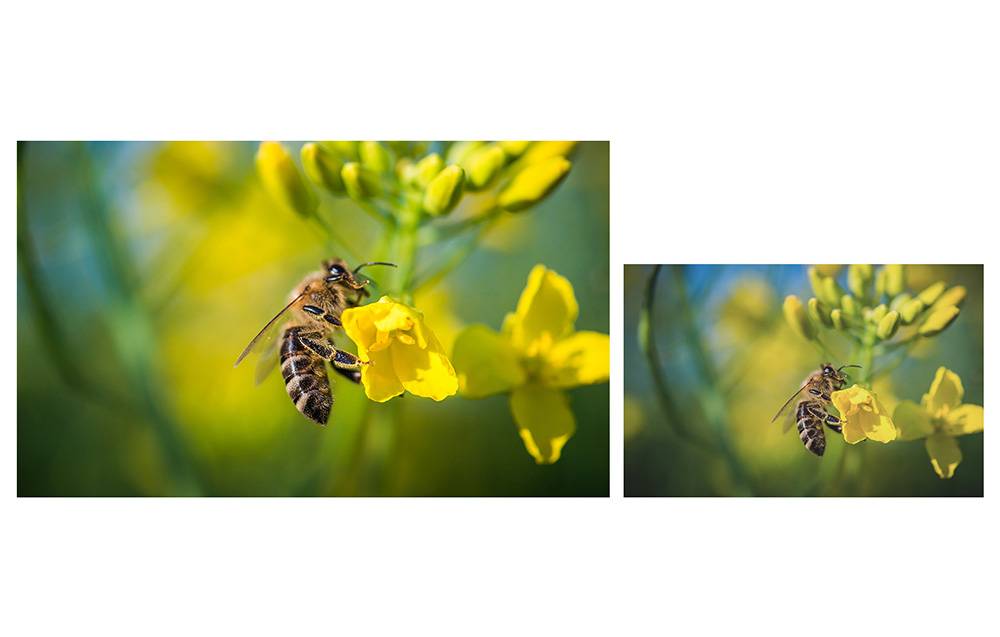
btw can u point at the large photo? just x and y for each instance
(400, 318)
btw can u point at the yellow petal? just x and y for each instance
(544, 420)
(912, 420)
(359, 325)
(545, 312)
(486, 362)
(402, 349)
(583, 358)
(964, 419)
(945, 454)
(945, 393)
(426, 371)
(865, 414)
(379, 377)
(853, 433)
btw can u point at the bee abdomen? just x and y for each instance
(809, 417)
(305, 378)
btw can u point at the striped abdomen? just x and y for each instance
(305, 378)
(810, 415)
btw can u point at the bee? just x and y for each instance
(811, 413)
(307, 327)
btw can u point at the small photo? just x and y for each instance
(803, 380)
(320, 318)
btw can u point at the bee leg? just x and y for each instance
(321, 313)
(346, 360)
(324, 349)
(834, 423)
(353, 375)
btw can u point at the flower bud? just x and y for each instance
(832, 292)
(444, 191)
(901, 300)
(879, 313)
(939, 320)
(954, 296)
(323, 168)
(513, 149)
(795, 314)
(819, 314)
(359, 183)
(534, 183)
(406, 170)
(460, 151)
(816, 281)
(850, 306)
(347, 151)
(887, 325)
(910, 310)
(894, 280)
(859, 278)
(483, 165)
(282, 179)
(374, 157)
(541, 151)
(836, 316)
(931, 293)
(828, 270)
(427, 169)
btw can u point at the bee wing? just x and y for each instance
(788, 425)
(267, 359)
(787, 422)
(264, 343)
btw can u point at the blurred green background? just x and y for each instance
(145, 268)
(730, 361)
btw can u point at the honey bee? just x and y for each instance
(811, 413)
(307, 326)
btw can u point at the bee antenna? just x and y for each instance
(843, 366)
(358, 269)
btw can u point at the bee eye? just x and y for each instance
(336, 270)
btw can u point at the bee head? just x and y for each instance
(337, 272)
(837, 374)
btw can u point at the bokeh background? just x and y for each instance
(145, 268)
(730, 361)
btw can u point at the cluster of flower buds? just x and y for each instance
(875, 307)
(417, 178)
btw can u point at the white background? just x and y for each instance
(741, 132)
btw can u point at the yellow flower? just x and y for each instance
(864, 416)
(402, 352)
(939, 418)
(535, 357)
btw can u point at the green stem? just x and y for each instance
(469, 223)
(406, 253)
(713, 403)
(648, 344)
(454, 260)
(867, 356)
